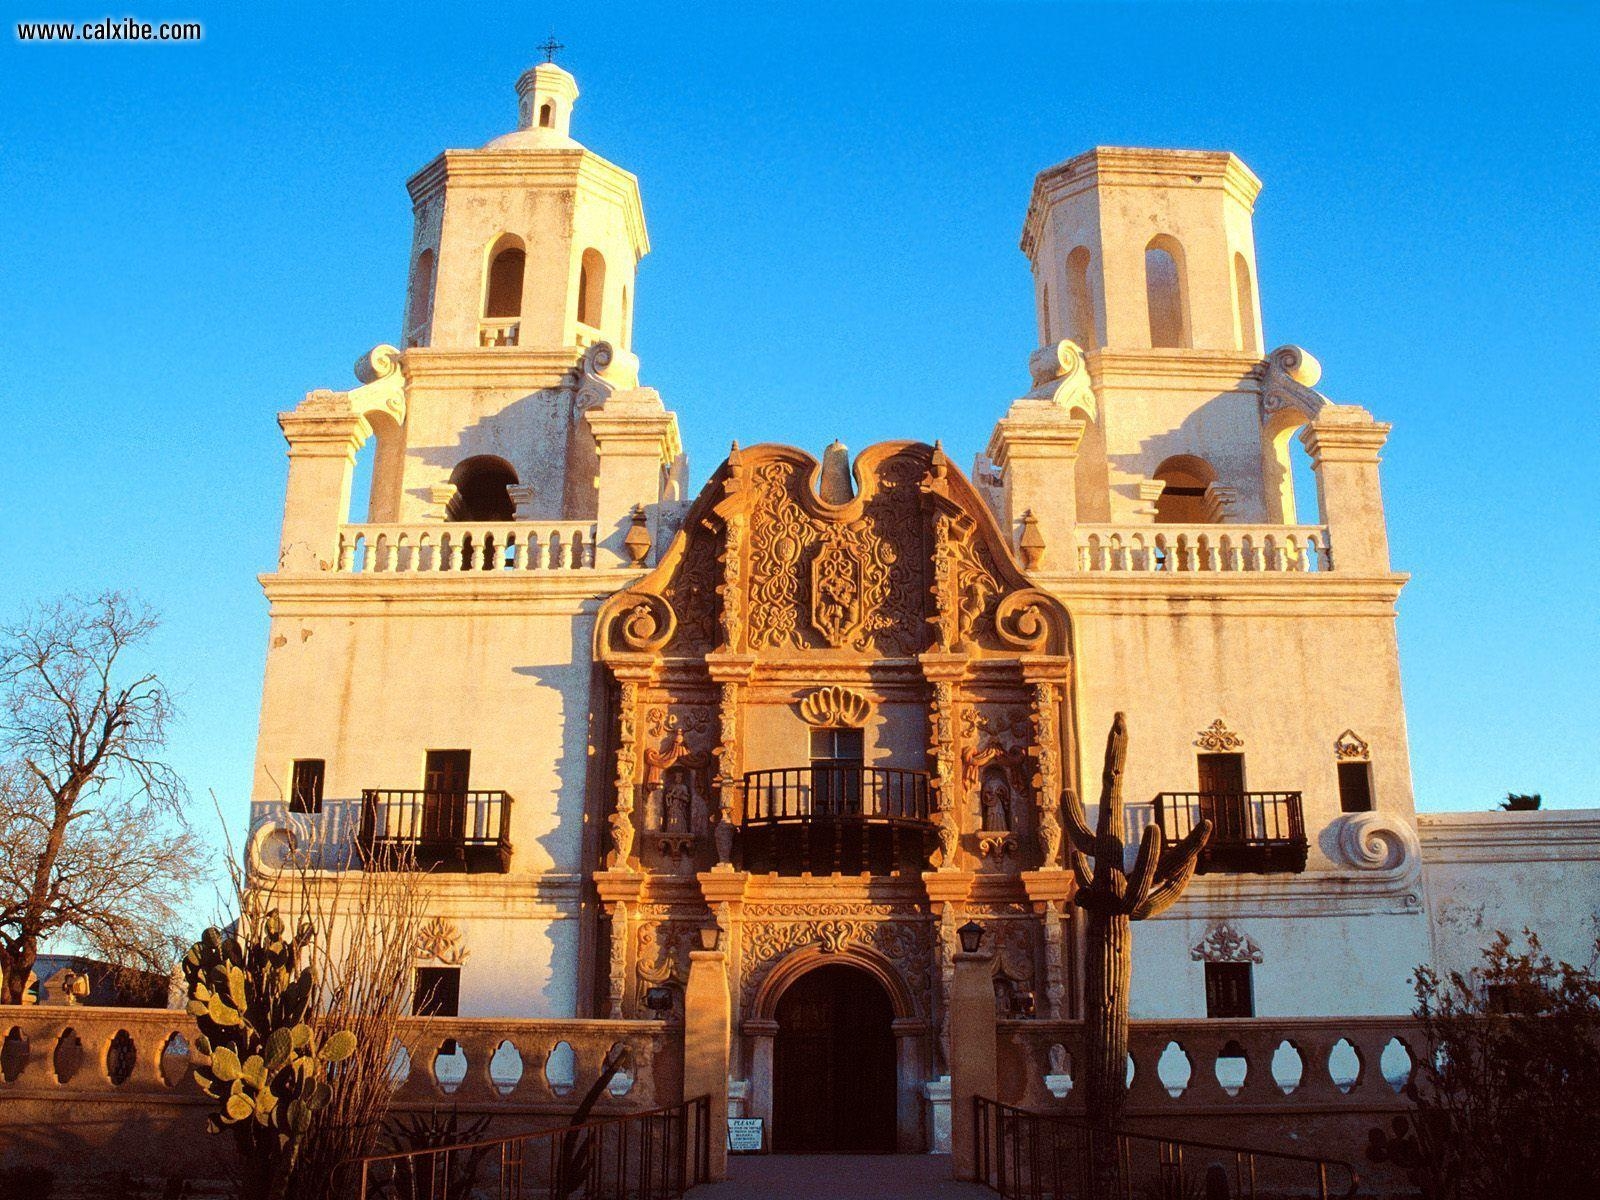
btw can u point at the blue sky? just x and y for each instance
(198, 234)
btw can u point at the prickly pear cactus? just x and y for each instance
(263, 1059)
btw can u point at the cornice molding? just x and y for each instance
(533, 169)
(1133, 167)
(444, 593)
(1497, 837)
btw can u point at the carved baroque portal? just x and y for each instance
(898, 609)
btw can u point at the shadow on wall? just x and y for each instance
(529, 434)
(564, 842)
(1210, 438)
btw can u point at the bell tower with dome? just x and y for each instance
(531, 242)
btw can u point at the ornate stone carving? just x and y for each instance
(1225, 944)
(1375, 841)
(1289, 377)
(962, 585)
(731, 589)
(771, 930)
(994, 773)
(621, 819)
(441, 939)
(618, 960)
(995, 844)
(727, 770)
(1217, 738)
(1348, 747)
(837, 610)
(663, 956)
(835, 706)
(1055, 971)
(1048, 781)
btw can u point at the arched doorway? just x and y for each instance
(834, 1065)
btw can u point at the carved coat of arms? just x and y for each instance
(837, 611)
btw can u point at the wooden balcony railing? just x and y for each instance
(1257, 832)
(836, 817)
(403, 829)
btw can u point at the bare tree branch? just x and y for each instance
(94, 845)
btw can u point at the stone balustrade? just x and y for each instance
(1220, 1067)
(436, 547)
(1223, 548)
(485, 1064)
(100, 1097)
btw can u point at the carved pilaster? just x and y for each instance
(619, 959)
(1055, 972)
(728, 769)
(731, 589)
(1047, 753)
(622, 828)
(942, 757)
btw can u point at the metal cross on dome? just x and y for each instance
(550, 48)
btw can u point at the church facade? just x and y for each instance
(831, 706)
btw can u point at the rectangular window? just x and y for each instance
(1355, 787)
(1229, 991)
(305, 788)
(437, 992)
(836, 771)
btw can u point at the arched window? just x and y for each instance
(482, 494)
(1247, 305)
(379, 465)
(547, 115)
(1183, 501)
(1082, 329)
(1164, 292)
(503, 296)
(421, 296)
(591, 288)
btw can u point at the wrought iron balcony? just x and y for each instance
(1255, 832)
(836, 817)
(405, 829)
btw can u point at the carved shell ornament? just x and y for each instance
(833, 707)
(1217, 738)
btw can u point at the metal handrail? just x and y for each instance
(649, 1155)
(1044, 1163)
(1237, 818)
(836, 791)
(417, 816)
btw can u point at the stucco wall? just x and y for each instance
(1509, 871)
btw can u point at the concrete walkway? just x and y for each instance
(839, 1177)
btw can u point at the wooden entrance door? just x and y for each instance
(444, 796)
(834, 1066)
(1222, 799)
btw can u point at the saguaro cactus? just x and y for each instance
(1112, 897)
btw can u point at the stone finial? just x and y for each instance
(1032, 541)
(637, 542)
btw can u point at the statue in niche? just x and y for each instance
(677, 799)
(995, 798)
